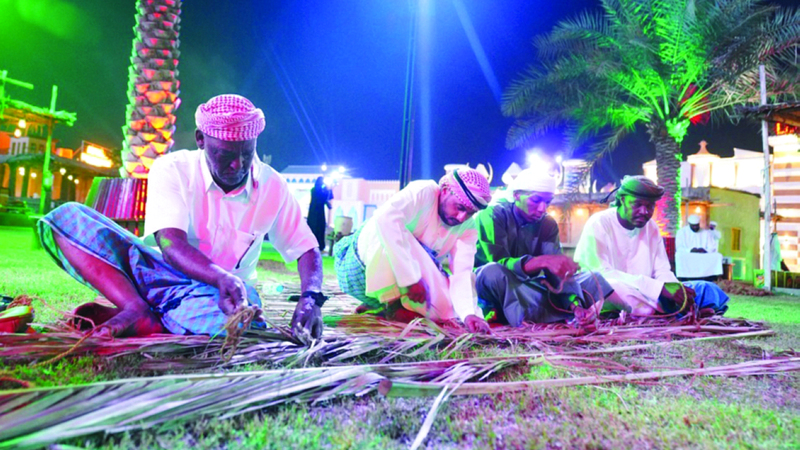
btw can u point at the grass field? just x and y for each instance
(706, 413)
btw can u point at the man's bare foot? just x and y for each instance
(131, 323)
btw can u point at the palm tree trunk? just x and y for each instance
(153, 86)
(668, 169)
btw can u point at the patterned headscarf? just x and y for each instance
(469, 186)
(230, 117)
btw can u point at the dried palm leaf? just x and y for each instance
(40, 416)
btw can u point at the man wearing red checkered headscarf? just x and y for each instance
(393, 262)
(208, 210)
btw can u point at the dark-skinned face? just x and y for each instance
(636, 212)
(695, 227)
(228, 161)
(532, 205)
(451, 210)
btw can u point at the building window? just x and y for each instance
(736, 239)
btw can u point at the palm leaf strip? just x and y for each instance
(392, 388)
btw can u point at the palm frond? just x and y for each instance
(36, 417)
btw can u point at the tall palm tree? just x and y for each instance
(663, 64)
(153, 86)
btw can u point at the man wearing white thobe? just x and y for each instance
(626, 247)
(696, 255)
(395, 259)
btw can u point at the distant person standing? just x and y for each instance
(321, 197)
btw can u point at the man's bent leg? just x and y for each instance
(134, 317)
(107, 258)
(350, 271)
(516, 301)
(194, 309)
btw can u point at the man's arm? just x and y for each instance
(593, 253)
(181, 255)
(294, 240)
(462, 287)
(307, 318)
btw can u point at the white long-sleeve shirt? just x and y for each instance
(633, 259)
(386, 241)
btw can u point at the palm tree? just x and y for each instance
(663, 64)
(152, 86)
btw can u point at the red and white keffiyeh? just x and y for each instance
(469, 186)
(230, 117)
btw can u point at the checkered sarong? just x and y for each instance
(186, 306)
(350, 270)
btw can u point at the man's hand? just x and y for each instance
(681, 296)
(587, 317)
(559, 265)
(307, 320)
(232, 293)
(418, 292)
(475, 324)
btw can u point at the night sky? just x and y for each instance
(329, 75)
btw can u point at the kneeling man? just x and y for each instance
(209, 211)
(626, 246)
(396, 256)
(519, 255)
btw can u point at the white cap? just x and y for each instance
(712, 223)
(694, 219)
(533, 179)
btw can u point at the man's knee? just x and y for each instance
(491, 276)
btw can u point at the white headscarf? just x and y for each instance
(535, 180)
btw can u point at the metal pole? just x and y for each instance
(405, 143)
(767, 262)
(47, 182)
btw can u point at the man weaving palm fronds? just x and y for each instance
(209, 211)
(626, 246)
(522, 274)
(394, 260)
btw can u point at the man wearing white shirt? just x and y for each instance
(696, 254)
(208, 210)
(395, 258)
(626, 247)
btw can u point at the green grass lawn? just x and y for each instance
(707, 413)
